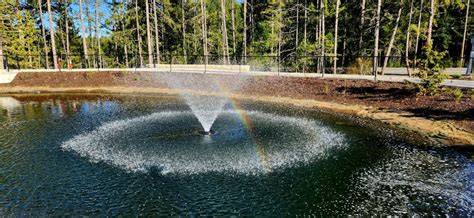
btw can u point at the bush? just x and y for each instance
(431, 71)
(457, 93)
(360, 66)
(456, 76)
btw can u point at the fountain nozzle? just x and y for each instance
(210, 132)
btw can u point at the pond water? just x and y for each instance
(145, 155)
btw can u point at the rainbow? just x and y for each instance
(246, 122)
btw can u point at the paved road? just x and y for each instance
(7, 77)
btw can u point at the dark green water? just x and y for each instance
(132, 155)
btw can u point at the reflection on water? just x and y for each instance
(371, 172)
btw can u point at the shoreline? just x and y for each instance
(443, 132)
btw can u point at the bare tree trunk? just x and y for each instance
(139, 38)
(392, 38)
(336, 23)
(465, 32)
(297, 37)
(157, 34)
(125, 49)
(234, 46)
(183, 23)
(430, 23)
(89, 25)
(97, 32)
(51, 29)
(377, 32)
(407, 42)
(43, 32)
(204, 30)
(225, 42)
(418, 33)
(83, 32)
(244, 40)
(305, 33)
(148, 34)
(323, 38)
(2, 64)
(362, 21)
(68, 50)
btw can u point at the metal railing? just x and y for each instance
(257, 63)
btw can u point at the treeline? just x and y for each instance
(124, 33)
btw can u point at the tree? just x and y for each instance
(407, 42)
(204, 30)
(183, 23)
(51, 29)
(43, 33)
(392, 38)
(377, 32)
(430, 22)
(466, 21)
(139, 38)
(157, 33)
(148, 33)
(225, 42)
(336, 24)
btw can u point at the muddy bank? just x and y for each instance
(439, 117)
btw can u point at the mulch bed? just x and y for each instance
(383, 95)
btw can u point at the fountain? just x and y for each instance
(213, 89)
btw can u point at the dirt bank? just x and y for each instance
(439, 117)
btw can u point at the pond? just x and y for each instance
(146, 155)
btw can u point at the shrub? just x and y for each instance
(360, 66)
(431, 71)
(327, 90)
(457, 93)
(456, 76)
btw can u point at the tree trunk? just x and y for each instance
(68, 49)
(361, 28)
(297, 26)
(89, 25)
(157, 34)
(305, 33)
(139, 38)
(125, 49)
(2, 64)
(418, 33)
(53, 41)
(183, 23)
(97, 32)
(225, 42)
(43, 32)
(148, 34)
(336, 23)
(430, 23)
(83, 32)
(392, 38)
(234, 46)
(465, 32)
(204, 30)
(244, 40)
(323, 39)
(377, 32)
(407, 42)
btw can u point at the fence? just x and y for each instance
(256, 63)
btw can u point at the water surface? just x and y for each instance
(144, 155)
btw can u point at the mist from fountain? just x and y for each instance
(213, 90)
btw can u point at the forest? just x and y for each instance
(296, 35)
